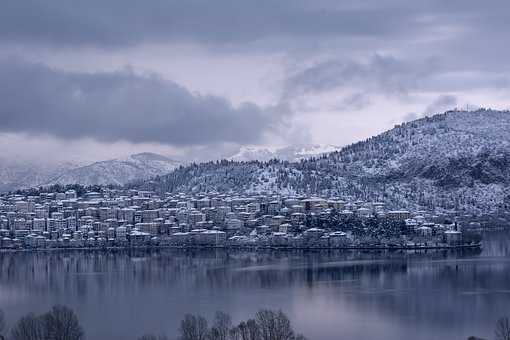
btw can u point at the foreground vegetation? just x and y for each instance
(501, 332)
(61, 323)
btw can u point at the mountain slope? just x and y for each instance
(23, 174)
(290, 153)
(456, 160)
(117, 171)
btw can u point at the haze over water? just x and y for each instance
(327, 295)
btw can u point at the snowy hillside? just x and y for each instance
(21, 174)
(290, 153)
(117, 171)
(456, 160)
(252, 153)
(24, 174)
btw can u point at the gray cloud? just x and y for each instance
(381, 74)
(371, 49)
(117, 23)
(122, 105)
(357, 101)
(441, 104)
(124, 22)
(409, 117)
(389, 76)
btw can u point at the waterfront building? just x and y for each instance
(134, 218)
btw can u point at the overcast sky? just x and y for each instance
(96, 79)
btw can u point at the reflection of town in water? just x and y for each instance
(442, 293)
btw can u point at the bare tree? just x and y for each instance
(30, 327)
(284, 330)
(221, 326)
(2, 325)
(502, 331)
(234, 334)
(265, 322)
(193, 327)
(153, 337)
(238, 332)
(248, 330)
(61, 323)
(274, 325)
(253, 330)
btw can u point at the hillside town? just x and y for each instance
(129, 218)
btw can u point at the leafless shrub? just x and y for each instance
(248, 330)
(221, 326)
(153, 337)
(502, 331)
(274, 325)
(30, 327)
(61, 323)
(193, 327)
(2, 324)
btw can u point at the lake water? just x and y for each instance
(328, 295)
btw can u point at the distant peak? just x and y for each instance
(289, 153)
(149, 156)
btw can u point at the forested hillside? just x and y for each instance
(458, 159)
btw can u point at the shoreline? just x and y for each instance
(247, 248)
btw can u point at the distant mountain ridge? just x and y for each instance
(19, 175)
(291, 153)
(117, 171)
(24, 174)
(455, 160)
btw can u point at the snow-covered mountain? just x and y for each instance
(251, 153)
(117, 171)
(16, 174)
(291, 153)
(456, 160)
(23, 174)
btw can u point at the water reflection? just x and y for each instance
(359, 295)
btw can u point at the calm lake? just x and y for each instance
(328, 295)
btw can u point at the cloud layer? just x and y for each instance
(388, 75)
(113, 106)
(345, 68)
(126, 22)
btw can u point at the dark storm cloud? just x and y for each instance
(124, 22)
(467, 35)
(395, 48)
(35, 99)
